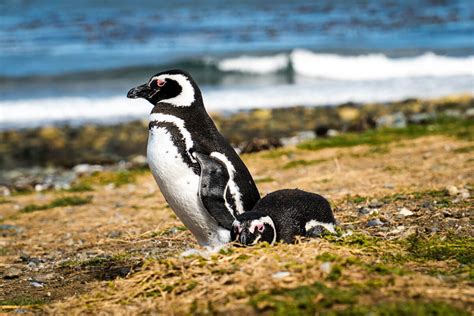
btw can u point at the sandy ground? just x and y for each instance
(120, 253)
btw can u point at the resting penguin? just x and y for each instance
(180, 130)
(282, 215)
(279, 216)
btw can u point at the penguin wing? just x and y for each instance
(212, 189)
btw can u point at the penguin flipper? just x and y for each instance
(212, 189)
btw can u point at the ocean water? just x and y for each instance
(74, 61)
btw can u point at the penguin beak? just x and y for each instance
(143, 91)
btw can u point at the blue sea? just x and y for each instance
(74, 61)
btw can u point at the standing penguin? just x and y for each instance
(180, 130)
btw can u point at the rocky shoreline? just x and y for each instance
(55, 157)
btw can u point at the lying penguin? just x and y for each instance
(280, 216)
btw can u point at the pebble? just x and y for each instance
(4, 191)
(374, 222)
(139, 161)
(452, 190)
(37, 284)
(87, 169)
(389, 186)
(374, 203)
(405, 212)
(364, 211)
(43, 278)
(12, 273)
(325, 267)
(397, 230)
(280, 274)
(465, 194)
(114, 234)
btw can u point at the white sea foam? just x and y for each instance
(254, 64)
(378, 66)
(362, 67)
(305, 91)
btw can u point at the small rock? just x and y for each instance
(43, 278)
(37, 284)
(427, 204)
(87, 169)
(139, 161)
(397, 230)
(452, 190)
(405, 212)
(280, 274)
(396, 120)
(24, 257)
(364, 211)
(464, 194)
(4, 191)
(374, 203)
(326, 267)
(114, 234)
(12, 273)
(389, 186)
(374, 222)
(469, 113)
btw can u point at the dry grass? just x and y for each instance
(131, 227)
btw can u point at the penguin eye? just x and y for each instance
(160, 82)
(260, 228)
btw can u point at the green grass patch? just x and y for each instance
(59, 202)
(4, 200)
(118, 178)
(438, 248)
(357, 199)
(277, 153)
(460, 128)
(97, 261)
(264, 180)
(80, 187)
(403, 308)
(4, 251)
(23, 301)
(302, 300)
(302, 163)
(355, 240)
(463, 150)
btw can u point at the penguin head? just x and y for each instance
(174, 87)
(252, 227)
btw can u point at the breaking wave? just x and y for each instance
(362, 67)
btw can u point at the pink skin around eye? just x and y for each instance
(260, 228)
(160, 82)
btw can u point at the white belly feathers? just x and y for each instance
(180, 186)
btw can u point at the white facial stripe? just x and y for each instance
(313, 223)
(263, 220)
(179, 123)
(231, 185)
(186, 97)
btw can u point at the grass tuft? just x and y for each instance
(302, 163)
(441, 248)
(303, 300)
(59, 202)
(460, 128)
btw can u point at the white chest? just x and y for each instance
(180, 186)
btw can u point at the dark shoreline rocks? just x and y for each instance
(48, 153)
